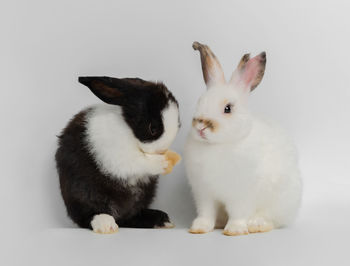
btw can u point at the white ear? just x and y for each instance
(249, 72)
(212, 70)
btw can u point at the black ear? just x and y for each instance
(105, 88)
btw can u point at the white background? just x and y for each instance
(46, 45)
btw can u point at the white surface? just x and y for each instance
(320, 237)
(46, 45)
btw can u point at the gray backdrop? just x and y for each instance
(46, 45)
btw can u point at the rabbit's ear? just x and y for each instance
(105, 88)
(112, 90)
(212, 70)
(249, 72)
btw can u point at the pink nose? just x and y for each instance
(201, 131)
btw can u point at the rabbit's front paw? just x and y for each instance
(160, 164)
(202, 225)
(173, 158)
(236, 228)
(104, 224)
(259, 225)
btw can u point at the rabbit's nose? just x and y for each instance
(200, 123)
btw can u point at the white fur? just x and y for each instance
(248, 165)
(166, 225)
(104, 224)
(202, 225)
(118, 152)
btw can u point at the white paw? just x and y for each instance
(169, 225)
(259, 225)
(160, 164)
(236, 228)
(202, 225)
(104, 224)
(166, 225)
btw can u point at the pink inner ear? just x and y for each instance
(251, 70)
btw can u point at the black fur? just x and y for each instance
(141, 101)
(87, 191)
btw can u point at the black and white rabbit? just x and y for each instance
(110, 155)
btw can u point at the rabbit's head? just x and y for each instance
(221, 114)
(148, 108)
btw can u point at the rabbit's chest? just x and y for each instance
(222, 166)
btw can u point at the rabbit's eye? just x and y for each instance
(152, 129)
(228, 108)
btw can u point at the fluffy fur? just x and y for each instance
(243, 172)
(107, 180)
(109, 137)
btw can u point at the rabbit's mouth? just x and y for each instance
(201, 133)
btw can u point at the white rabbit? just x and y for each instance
(239, 166)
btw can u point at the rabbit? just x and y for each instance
(110, 155)
(243, 170)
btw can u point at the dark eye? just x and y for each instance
(228, 108)
(152, 129)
